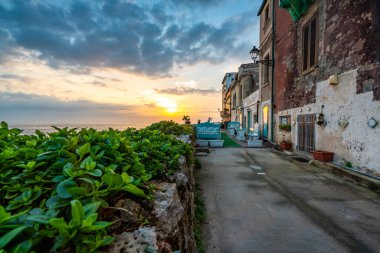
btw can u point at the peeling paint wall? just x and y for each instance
(348, 39)
(357, 143)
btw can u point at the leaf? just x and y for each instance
(58, 223)
(126, 178)
(112, 179)
(83, 150)
(31, 143)
(91, 208)
(86, 161)
(56, 201)
(5, 239)
(63, 186)
(27, 194)
(23, 247)
(77, 190)
(99, 225)
(43, 219)
(89, 220)
(133, 189)
(106, 241)
(58, 179)
(95, 173)
(77, 211)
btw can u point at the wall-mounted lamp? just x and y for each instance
(333, 79)
(255, 55)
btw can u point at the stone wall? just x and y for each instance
(171, 228)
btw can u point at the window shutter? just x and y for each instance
(305, 35)
(313, 41)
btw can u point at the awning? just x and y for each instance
(296, 8)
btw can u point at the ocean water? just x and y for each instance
(31, 128)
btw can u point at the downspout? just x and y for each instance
(272, 77)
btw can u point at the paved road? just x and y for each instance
(259, 202)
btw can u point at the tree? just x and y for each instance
(186, 119)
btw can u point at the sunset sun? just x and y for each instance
(168, 105)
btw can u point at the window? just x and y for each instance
(309, 47)
(234, 100)
(255, 118)
(266, 70)
(266, 15)
(285, 120)
(285, 123)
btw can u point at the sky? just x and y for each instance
(120, 61)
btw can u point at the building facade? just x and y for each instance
(265, 79)
(327, 79)
(245, 96)
(228, 80)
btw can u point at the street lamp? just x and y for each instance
(254, 53)
(256, 57)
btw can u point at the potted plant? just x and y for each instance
(286, 145)
(323, 156)
(285, 127)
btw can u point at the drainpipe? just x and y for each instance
(272, 77)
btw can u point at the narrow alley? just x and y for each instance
(258, 202)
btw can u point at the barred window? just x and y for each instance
(309, 41)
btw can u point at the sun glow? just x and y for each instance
(170, 106)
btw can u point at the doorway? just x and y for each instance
(265, 121)
(249, 120)
(305, 132)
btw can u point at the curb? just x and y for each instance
(362, 180)
(368, 182)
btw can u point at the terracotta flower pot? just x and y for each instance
(286, 146)
(323, 156)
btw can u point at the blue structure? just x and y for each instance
(208, 134)
(232, 126)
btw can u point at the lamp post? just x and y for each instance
(255, 56)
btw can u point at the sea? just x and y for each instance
(29, 129)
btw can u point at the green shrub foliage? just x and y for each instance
(53, 186)
(171, 127)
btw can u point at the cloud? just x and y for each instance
(195, 3)
(14, 77)
(97, 83)
(131, 36)
(186, 91)
(29, 102)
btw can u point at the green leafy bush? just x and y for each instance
(52, 186)
(171, 127)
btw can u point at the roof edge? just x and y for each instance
(261, 7)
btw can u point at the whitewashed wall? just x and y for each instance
(357, 143)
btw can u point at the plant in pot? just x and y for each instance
(285, 127)
(323, 156)
(286, 145)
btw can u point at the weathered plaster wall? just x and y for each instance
(357, 143)
(348, 38)
(350, 41)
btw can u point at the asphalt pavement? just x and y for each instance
(257, 201)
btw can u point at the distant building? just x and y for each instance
(243, 101)
(228, 80)
(327, 77)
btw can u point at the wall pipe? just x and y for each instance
(272, 88)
